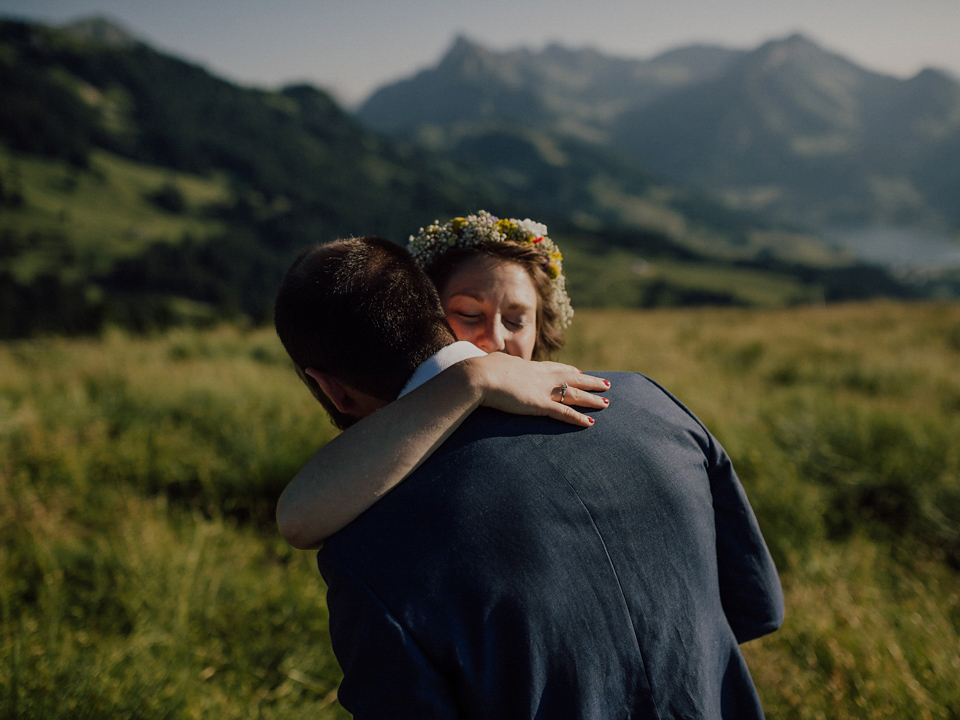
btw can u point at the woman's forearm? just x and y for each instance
(352, 471)
(367, 460)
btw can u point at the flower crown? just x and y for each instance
(462, 232)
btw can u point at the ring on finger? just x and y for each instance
(563, 391)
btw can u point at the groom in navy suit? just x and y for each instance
(527, 569)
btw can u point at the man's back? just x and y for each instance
(530, 570)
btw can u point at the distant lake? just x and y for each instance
(906, 248)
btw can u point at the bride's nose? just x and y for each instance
(492, 340)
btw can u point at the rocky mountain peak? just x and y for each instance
(102, 30)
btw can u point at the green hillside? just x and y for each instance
(140, 190)
(112, 209)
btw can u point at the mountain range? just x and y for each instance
(139, 189)
(789, 129)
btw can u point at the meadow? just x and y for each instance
(141, 575)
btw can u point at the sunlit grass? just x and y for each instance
(867, 635)
(141, 574)
(155, 612)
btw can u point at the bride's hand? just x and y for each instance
(523, 387)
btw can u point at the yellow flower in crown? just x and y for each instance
(554, 264)
(433, 241)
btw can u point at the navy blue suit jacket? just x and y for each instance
(532, 570)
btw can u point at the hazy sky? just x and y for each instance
(350, 47)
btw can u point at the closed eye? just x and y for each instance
(471, 318)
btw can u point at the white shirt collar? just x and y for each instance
(440, 361)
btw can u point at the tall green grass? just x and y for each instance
(141, 574)
(843, 423)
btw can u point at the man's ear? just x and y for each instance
(340, 395)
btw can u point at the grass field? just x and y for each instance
(141, 575)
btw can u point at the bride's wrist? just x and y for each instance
(472, 375)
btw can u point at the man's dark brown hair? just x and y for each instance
(361, 310)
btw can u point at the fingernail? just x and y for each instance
(590, 420)
(607, 382)
(606, 401)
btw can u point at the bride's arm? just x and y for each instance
(367, 460)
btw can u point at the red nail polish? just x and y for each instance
(607, 382)
(606, 401)
(590, 420)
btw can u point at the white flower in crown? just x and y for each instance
(533, 227)
(432, 242)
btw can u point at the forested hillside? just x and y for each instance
(138, 189)
(131, 181)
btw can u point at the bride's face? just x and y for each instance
(493, 304)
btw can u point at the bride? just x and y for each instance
(502, 288)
